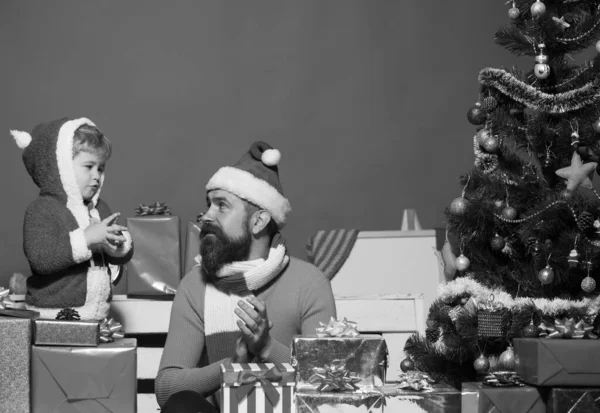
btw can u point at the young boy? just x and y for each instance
(69, 235)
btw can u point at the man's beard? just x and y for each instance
(220, 249)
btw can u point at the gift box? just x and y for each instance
(16, 331)
(440, 398)
(558, 362)
(155, 268)
(312, 401)
(192, 247)
(66, 333)
(362, 356)
(93, 379)
(574, 400)
(480, 398)
(257, 387)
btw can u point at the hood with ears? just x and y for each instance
(48, 157)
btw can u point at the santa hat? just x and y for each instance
(255, 178)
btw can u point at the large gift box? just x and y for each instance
(480, 398)
(313, 401)
(439, 398)
(574, 400)
(257, 387)
(558, 362)
(92, 379)
(16, 332)
(155, 268)
(192, 247)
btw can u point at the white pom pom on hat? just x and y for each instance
(23, 139)
(271, 157)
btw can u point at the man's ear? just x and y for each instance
(260, 220)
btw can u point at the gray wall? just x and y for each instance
(366, 99)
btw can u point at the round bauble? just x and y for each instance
(497, 243)
(566, 195)
(541, 70)
(489, 103)
(546, 275)
(477, 115)
(513, 13)
(507, 359)
(482, 135)
(481, 364)
(530, 331)
(598, 46)
(499, 204)
(538, 8)
(588, 284)
(407, 365)
(459, 206)
(462, 262)
(491, 144)
(596, 126)
(509, 213)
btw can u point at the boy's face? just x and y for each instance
(89, 167)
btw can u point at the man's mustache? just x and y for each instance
(207, 228)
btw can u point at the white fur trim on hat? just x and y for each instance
(247, 186)
(23, 139)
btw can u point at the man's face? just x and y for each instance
(225, 236)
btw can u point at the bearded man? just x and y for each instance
(247, 298)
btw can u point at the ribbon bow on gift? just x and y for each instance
(338, 328)
(247, 379)
(490, 305)
(503, 379)
(334, 378)
(567, 328)
(110, 330)
(415, 380)
(157, 208)
(5, 302)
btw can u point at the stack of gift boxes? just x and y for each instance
(64, 365)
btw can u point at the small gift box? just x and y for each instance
(15, 357)
(493, 319)
(192, 247)
(410, 395)
(312, 401)
(558, 362)
(339, 347)
(257, 387)
(480, 398)
(92, 379)
(155, 268)
(75, 332)
(574, 400)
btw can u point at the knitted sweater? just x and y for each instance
(296, 301)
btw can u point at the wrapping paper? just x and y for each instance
(364, 356)
(441, 398)
(155, 267)
(560, 362)
(66, 333)
(257, 387)
(479, 398)
(85, 380)
(192, 247)
(574, 400)
(311, 401)
(15, 358)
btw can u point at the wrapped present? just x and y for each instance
(562, 362)
(574, 400)
(493, 319)
(338, 345)
(566, 328)
(434, 398)
(75, 332)
(92, 379)
(192, 247)
(16, 331)
(155, 268)
(480, 398)
(312, 401)
(257, 387)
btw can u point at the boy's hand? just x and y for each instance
(104, 233)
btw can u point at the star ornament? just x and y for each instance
(578, 173)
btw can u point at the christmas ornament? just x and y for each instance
(513, 12)
(585, 221)
(459, 206)
(537, 9)
(507, 359)
(491, 144)
(566, 195)
(542, 58)
(573, 259)
(407, 365)
(462, 262)
(530, 331)
(597, 226)
(533, 246)
(596, 126)
(477, 115)
(497, 243)
(546, 275)
(432, 334)
(509, 212)
(499, 204)
(561, 22)
(493, 319)
(482, 135)
(588, 284)
(598, 46)
(481, 364)
(541, 70)
(577, 173)
(489, 103)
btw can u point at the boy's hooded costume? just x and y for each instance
(65, 272)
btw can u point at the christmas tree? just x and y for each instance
(524, 234)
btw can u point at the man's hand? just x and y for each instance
(254, 325)
(104, 233)
(241, 354)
